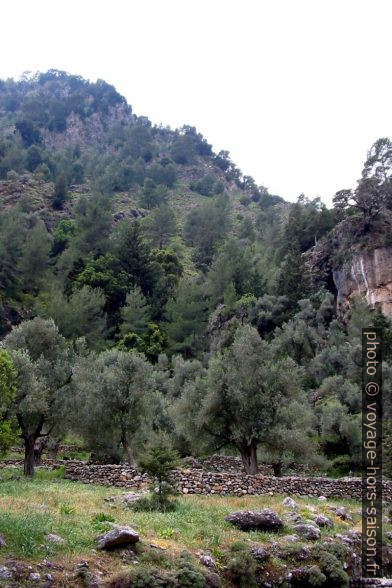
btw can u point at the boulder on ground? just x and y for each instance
(5, 573)
(53, 538)
(118, 537)
(124, 499)
(341, 512)
(259, 552)
(323, 521)
(258, 520)
(290, 503)
(308, 531)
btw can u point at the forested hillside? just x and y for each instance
(148, 285)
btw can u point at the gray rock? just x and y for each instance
(125, 499)
(259, 552)
(261, 520)
(323, 521)
(293, 517)
(3, 542)
(34, 577)
(53, 538)
(291, 538)
(307, 531)
(322, 498)
(117, 537)
(207, 561)
(290, 503)
(341, 512)
(5, 573)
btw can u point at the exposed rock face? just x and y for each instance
(367, 274)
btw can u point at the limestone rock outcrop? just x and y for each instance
(367, 274)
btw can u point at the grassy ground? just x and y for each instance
(49, 504)
(29, 510)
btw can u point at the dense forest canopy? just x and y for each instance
(168, 291)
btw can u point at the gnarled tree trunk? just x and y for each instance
(39, 447)
(129, 452)
(53, 450)
(248, 453)
(29, 459)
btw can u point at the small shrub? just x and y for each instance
(153, 502)
(155, 557)
(143, 577)
(188, 576)
(66, 509)
(241, 569)
(102, 517)
(310, 577)
(332, 568)
(167, 533)
(58, 473)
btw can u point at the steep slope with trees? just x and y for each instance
(148, 285)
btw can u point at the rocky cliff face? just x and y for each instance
(367, 274)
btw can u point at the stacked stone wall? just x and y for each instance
(197, 481)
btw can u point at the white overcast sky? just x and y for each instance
(296, 90)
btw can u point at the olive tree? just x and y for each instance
(240, 401)
(42, 361)
(116, 399)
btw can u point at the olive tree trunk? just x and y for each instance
(29, 457)
(248, 453)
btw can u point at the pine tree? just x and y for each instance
(162, 226)
(60, 192)
(187, 320)
(158, 462)
(136, 313)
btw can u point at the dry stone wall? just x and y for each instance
(196, 481)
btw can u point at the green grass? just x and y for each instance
(49, 504)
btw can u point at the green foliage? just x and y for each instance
(150, 342)
(42, 362)
(152, 195)
(241, 568)
(136, 313)
(7, 396)
(92, 225)
(115, 389)
(205, 227)
(29, 133)
(186, 320)
(62, 234)
(161, 226)
(158, 461)
(165, 175)
(207, 186)
(80, 315)
(60, 192)
(34, 259)
(188, 576)
(240, 402)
